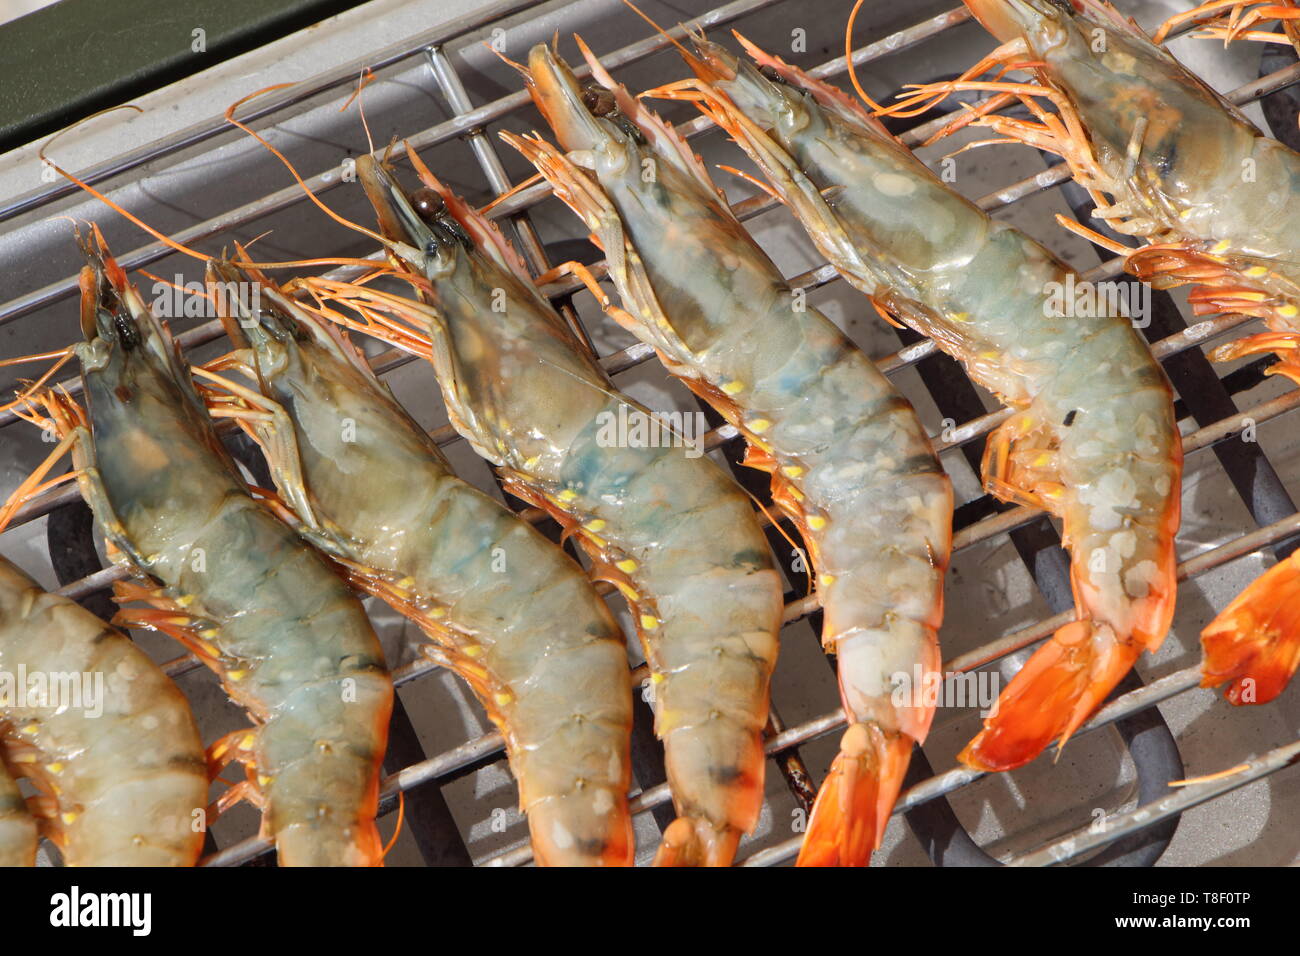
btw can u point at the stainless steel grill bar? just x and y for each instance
(469, 124)
(1139, 818)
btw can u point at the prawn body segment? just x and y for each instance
(119, 768)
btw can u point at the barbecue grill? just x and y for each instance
(1105, 799)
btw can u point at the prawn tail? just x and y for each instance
(855, 801)
(692, 841)
(1254, 644)
(1060, 686)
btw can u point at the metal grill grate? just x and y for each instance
(1177, 342)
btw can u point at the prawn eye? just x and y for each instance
(428, 204)
(127, 333)
(770, 73)
(598, 100)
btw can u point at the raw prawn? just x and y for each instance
(118, 763)
(850, 461)
(670, 529)
(1093, 440)
(289, 641)
(1217, 201)
(508, 610)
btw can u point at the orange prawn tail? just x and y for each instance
(1053, 694)
(1254, 644)
(855, 801)
(696, 842)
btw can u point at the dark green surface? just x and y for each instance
(67, 61)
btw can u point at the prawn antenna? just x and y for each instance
(401, 818)
(166, 240)
(341, 220)
(366, 78)
(848, 59)
(687, 55)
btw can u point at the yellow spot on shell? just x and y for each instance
(792, 471)
(733, 387)
(1223, 245)
(649, 622)
(596, 524)
(31, 728)
(25, 758)
(959, 316)
(263, 780)
(627, 565)
(759, 425)
(826, 580)
(472, 650)
(568, 494)
(1043, 459)
(438, 612)
(185, 600)
(816, 522)
(1287, 311)
(1186, 213)
(629, 593)
(502, 699)
(55, 767)
(247, 741)
(531, 463)
(68, 817)
(657, 678)
(236, 675)
(595, 539)
(1255, 272)
(209, 633)
(406, 582)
